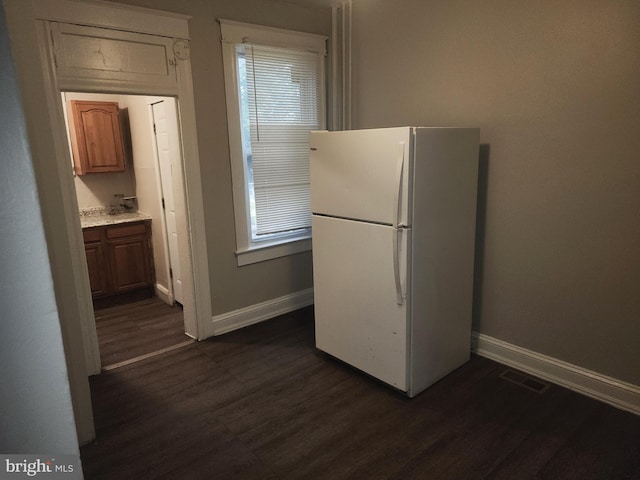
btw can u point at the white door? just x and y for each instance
(170, 165)
(358, 317)
(361, 174)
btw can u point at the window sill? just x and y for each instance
(271, 250)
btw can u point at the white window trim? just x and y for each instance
(233, 33)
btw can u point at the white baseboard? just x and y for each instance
(595, 385)
(164, 294)
(243, 317)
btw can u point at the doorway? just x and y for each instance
(149, 53)
(152, 183)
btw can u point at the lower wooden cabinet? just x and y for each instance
(97, 268)
(119, 259)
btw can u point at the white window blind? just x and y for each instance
(280, 103)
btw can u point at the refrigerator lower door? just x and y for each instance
(358, 317)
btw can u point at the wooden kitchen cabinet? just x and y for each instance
(96, 262)
(120, 259)
(128, 250)
(96, 137)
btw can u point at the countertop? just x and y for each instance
(98, 217)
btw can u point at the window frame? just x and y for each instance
(234, 33)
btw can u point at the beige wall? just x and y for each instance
(554, 87)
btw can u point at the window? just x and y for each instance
(275, 97)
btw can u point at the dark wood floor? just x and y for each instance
(262, 403)
(135, 329)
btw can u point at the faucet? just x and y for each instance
(121, 203)
(127, 202)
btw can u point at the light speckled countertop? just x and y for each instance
(98, 217)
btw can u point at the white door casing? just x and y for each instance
(97, 58)
(87, 58)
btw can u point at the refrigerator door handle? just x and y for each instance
(396, 265)
(397, 198)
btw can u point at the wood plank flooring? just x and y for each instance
(263, 403)
(135, 329)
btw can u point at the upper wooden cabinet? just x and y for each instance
(96, 137)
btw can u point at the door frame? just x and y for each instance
(29, 27)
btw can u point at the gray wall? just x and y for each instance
(234, 287)
(35, 400)
(554, 87)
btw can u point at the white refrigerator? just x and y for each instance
(394, 214)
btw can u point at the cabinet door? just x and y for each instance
(96, 137)
(97, 267)
(129, 262)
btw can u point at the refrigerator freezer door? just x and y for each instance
(362, 174)
(358, 318)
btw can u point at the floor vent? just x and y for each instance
(525, 381)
